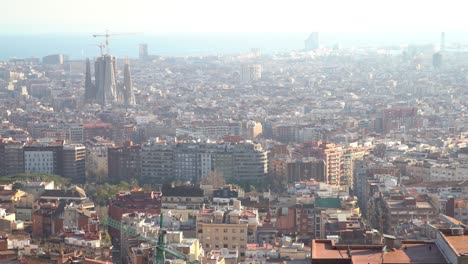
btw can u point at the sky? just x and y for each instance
(162, 16)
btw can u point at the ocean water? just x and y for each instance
(80, 46)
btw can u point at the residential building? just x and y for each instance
(44, 157)
(350, 155)
(124, 163)
(184, 201)
(97, 158)
(330, 153)
(284, 170)
(11, 157)
(231, 229)
(250, 162)
(76, 134)
(251, 72)
(135, 200)
(399, 119)
(157, 162)
(74, 163)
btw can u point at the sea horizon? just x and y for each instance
(79, 46)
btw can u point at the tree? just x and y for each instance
(215, 178)
(34, 177)
(17, 186)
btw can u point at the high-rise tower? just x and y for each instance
(312, 42)
(143, 55)
(442, 41)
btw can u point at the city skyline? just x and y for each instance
(83, 45)
(222, 132)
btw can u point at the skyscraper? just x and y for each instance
(312, 42)
(143, 55)
(442, 41)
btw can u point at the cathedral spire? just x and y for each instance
(89, 86)
(129, 97)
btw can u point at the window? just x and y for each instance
(225, 245)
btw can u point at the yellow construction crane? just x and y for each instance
(107, 35)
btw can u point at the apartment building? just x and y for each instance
(124, 162)
(230, 228)
(11, 157)
(330, 153)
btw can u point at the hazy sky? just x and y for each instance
(46, 16)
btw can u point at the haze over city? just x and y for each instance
(29, 16)
(252, 132)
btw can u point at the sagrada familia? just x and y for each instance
(106, 89)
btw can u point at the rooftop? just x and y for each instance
(327, 202)
(186, 191)
(411, 252)
(458, 243)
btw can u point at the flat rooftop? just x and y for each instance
(458, 243)
(396, 204)
(414, 253)
(427, 253)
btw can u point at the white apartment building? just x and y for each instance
(39, 162)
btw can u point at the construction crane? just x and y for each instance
(100, 46)
(107, 35)
(158, 244)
